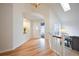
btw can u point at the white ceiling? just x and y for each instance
(69, 19)
(40, 13)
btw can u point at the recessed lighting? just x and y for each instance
(65, 6)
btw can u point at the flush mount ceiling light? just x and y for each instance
(36, 5)
(65, 6)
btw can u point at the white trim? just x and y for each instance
(21, 43)
(13, 47)
(18, 45)
(50, 44)
(6, 50)
(55, 52)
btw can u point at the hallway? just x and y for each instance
(22, 25)
(31, 48)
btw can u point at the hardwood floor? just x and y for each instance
(33, 47)
(70, 52)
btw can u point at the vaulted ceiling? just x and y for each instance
(68, 19)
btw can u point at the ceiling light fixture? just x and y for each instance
(65, 6)
(36, 5)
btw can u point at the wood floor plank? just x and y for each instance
(31, 48)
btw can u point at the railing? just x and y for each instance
(56, 43)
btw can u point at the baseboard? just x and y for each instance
(13, 47)
(20, 44)
(6, 50)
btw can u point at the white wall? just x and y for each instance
(36, 28)
(18, 14)
(69, 19)
(54, 42)
(6, 27)
(53, 19)
(11, 26)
